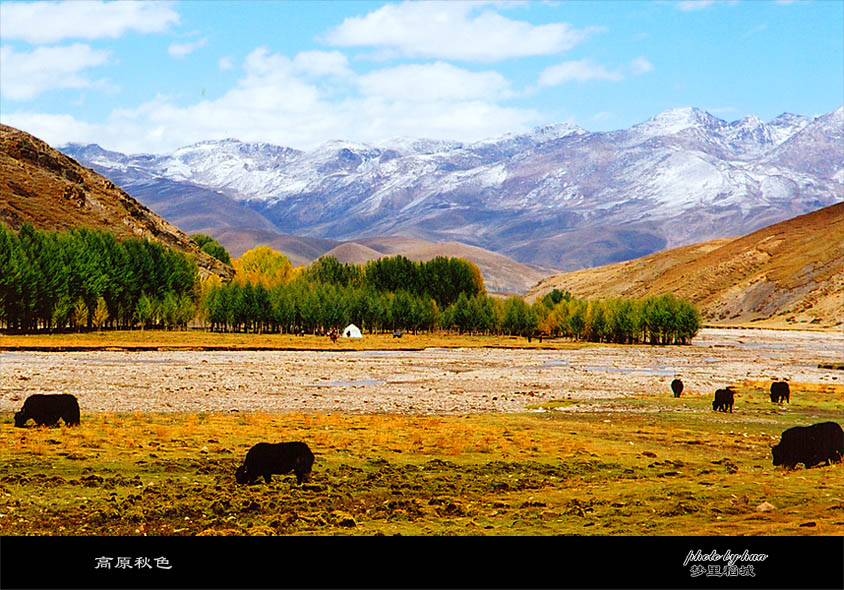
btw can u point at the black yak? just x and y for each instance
(780, 391)
(810, 445)
(47, 409)
(677, 387)
(264, 459)
(724, 399)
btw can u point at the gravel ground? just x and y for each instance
(433, 381)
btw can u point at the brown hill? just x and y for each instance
(40, 185)
(354, 253)
(787, 274)
(192, 208)
(393, 245)
(301, 250)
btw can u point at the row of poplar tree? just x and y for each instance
(87, 279)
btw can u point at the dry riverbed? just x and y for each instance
(430, 381)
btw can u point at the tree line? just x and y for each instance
(442, 279)
(387, 294)
(85, 278)
(661, 319)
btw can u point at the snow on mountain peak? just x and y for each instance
(748, 121)
(673, 121)
(834, 121)
(416, 145)
(684, 164)
(724, 159)
(556, 131)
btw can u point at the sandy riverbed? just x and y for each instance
(432, 381)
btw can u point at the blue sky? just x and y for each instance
(154, 76)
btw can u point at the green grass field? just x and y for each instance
(639, 466)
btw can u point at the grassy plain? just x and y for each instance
(645, 465)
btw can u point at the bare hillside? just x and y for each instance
(353, 253)
(787, 274)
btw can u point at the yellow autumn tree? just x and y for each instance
(100, 316)
(212, 281)
(262, 265)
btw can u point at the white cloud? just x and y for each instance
(51, 22)
(582, 70)
(756, 29)
(691, 5)
(433, 82)
(640, 65)
(25, 75)
(322, 63)
(180, 50)
(279, 100)
(451, 30)
(54, 129)
(226, 63)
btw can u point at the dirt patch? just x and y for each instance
(430, 381)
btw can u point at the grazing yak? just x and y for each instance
(47, 409)
(810, 445)
(780, 391)
(724, 399)
(677, 387)
(264, 459)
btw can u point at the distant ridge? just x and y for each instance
(52, 191)
(557, 196)
(787, 274)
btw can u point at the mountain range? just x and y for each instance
(558, 197)
(785, 274)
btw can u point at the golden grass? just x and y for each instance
(202, 340)
(646, 465)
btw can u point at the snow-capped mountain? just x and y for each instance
(558, 196)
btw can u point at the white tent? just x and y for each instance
(352, 331)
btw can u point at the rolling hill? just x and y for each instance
(52, 191)
(787, 274)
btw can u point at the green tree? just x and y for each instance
(577, 319)
(212, 247)
(596, 326)
(144, 311)
(519, 318)
(329, 270)
(554, 297)
(445, 278)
